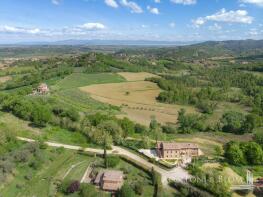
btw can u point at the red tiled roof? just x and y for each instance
(112, 175)
(111, 186)
(175, 145)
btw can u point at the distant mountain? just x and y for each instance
(235, 46)
(151, 49)
(208, 49)
(111, 42)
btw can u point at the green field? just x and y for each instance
(43, 181)
(82, 101)
(81, 79)
(56, 167)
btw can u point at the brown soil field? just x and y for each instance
(4, 79)
(141, 76)
(137, 99)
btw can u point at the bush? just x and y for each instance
(242, 153)
(21, 155)
(169, 128)
(126, 191)
(112, 161)
(233, 122)
(140, 128)
(234, 154)
(138, 188)
(73, 187)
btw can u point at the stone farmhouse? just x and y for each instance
(41, 89)
(109, 180)
(173, 150)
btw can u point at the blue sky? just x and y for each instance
(172, 20)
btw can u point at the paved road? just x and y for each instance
(178, 173)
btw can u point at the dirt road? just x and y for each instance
(177, 173)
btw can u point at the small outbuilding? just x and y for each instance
(109, 180)
(41, 89)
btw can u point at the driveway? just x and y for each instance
(177, 173)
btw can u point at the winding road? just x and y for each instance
(177, 173)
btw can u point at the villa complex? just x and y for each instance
(173, 150)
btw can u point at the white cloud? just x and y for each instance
(153, 10)
(75, 30)
(253, 32)
(215, 27)
(256, 2)
(56, 2)
(184, 2)
(198, 22)
(157, 1)
(112, 3)
(238, 16)
(10, 29)
(135, 8)
(172, 25)
(92, 26)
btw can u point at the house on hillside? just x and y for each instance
(41, 89)
(109, 180)
(174, 150)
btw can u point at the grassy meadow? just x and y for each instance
(76, 80)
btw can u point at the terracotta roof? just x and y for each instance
(112, 186)
(109, 175)
(112, 175)
(43, 85)
(175, 145)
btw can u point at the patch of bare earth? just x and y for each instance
(137, 99)
(5, 79)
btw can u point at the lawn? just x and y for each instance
(56, 134)
(76, 80)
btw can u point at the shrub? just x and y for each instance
(126, 191)
(112, 161)
(138, 188)
(140, 128)
(169, 128)
(21, 155)
(73, 187)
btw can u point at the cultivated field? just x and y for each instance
(137, 99)
(136, 76)
(81, 79)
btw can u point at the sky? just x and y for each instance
(159, 20)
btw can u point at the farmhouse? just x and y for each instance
(173, 150)
(41, 89)
(110, 180)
